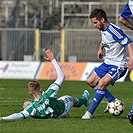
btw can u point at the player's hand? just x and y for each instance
(50, 55)
(1, 118)
(25, 104)
(100, 54)
(129, 65)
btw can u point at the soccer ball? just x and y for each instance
(115, 107)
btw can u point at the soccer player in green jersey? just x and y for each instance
(45, 104)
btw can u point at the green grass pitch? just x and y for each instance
(13, 94)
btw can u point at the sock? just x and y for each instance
(98, 96)
(80, 101)
(108, 95)
(132, 108)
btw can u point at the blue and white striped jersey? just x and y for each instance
(115, 41)
(128, 10)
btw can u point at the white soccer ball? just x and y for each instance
(116, 107)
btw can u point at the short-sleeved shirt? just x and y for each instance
(114, 41)
(128, 10)
(47, 106)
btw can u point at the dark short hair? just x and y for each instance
(99, 14)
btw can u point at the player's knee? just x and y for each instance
(91, 83)
(102, 85)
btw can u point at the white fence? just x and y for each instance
(81, 45)
(15, 43)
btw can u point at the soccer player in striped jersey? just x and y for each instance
(115, 63)
(124, 19)
(45, 105)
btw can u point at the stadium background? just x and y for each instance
(28, 27)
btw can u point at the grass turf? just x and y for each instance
(13, 94)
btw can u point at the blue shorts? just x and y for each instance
(114, 72)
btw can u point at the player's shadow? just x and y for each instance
(109, 116)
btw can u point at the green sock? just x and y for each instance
(80, 101)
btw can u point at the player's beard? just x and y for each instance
(101, 26)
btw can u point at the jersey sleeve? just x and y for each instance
(29, 110)
(126, 12)
(120, 36)
(55, 87)
(21, 115)
(13, 116)
(60, 74)
(53, 90)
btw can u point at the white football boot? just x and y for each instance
(87, 115)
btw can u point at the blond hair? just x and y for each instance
(33, 86)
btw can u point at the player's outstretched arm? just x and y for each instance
(126, 22)
(60, 74)
(13, 117)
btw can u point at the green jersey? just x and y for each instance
(47, 106)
